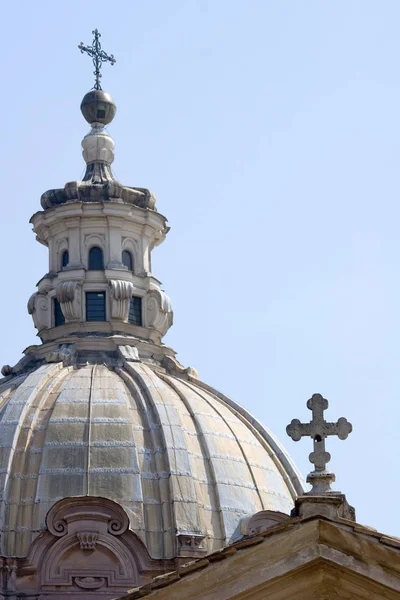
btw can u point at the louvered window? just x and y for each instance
(59, 318)
(95, 306)
(135, 311)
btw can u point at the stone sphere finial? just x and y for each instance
(98, 106)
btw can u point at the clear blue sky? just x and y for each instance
(269, 132)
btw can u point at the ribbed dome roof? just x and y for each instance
(176, 454)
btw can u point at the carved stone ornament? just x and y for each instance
(95, 239)
(90, 583)
(190, 544)
(159, 311)
(87, 539)
(88, 546)
(65, 353)
(8, 575)
(174, 367)
(121, 294)
(69, 297)
(38, 307)
(88, 550)
(63, 517)
(260, 521)
(128, 353)
(319, 429)
(22, 365)
(97, 145)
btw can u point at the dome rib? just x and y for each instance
(261, 469)
(19, 465)
(181, 492)
(205, 453)
(238, 441)
(237, 492)
(156, 506)
(288, 470)
(115, 470)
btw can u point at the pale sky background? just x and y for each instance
(269, 132)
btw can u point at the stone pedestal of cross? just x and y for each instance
(318, 429)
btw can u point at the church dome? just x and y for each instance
(179, 457)
(116, 462)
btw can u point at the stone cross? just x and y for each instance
(319, 429)
(98, 56)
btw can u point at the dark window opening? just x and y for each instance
(135, 311)
(127, 259)
(65, 258)
(95, 306)
(59, 318)
(101, 113)
(96, 262)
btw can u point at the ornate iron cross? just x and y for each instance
(98, 56)
(319, 429)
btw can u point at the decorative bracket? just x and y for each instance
(68, 295)
(159, 311)
(121, 294)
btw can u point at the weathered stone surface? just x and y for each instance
(319, 429)
(311, 558)
(182, 463)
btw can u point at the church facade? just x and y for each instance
(122, 472)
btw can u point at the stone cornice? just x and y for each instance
(301, 558)
(61, 218)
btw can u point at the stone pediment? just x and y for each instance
(87, 547)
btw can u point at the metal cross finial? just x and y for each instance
(319, 429)
(98, 56)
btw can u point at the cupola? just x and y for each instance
(100, 235)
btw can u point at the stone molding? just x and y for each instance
(303, 559)
(132, 245)
(64, 515)
(332, 506)
(95, 239)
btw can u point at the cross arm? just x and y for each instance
(296, 430)
(104, 57)
(341, 428)
(87, 49)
